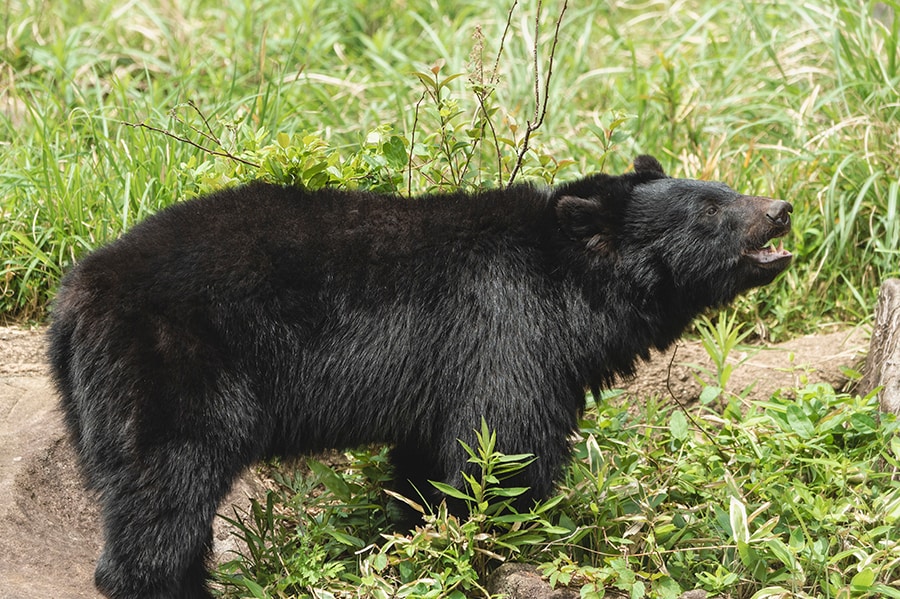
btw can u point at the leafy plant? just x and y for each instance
(720, 340)
(296, 542)
(795, 498)
(323, 532)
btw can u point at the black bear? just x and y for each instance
(265, 320)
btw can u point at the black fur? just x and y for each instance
(263, 321)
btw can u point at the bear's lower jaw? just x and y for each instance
(770, 256)
(757, 272)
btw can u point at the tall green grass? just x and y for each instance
(795, 101)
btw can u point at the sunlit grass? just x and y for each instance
(793, 101)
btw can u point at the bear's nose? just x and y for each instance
(779, 212)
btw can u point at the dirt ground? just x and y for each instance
(49, 532)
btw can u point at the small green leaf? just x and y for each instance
(425, 78)
(678, 425)
(450, 78)
(512, 462)
(783, 553)
(863, 580)
(395, 152)
(738, 519)
(450, 491)
(513, 518)
(774, 592)
(591, 590)
(380, 562)
(345, 539)
(709, 394)
(638, 590)
(509, 491)
(799, 422)
(883, 589)
(331, 479)
(250, 585)
(666, 588)
(863, 423)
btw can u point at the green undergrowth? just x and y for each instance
(798, 497)
(110, 111)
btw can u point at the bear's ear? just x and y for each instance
(585, 221)
(648, 164)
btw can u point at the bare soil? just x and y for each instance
(49, 526)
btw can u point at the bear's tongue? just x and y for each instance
(769, 253)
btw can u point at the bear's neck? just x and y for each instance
(612, 335)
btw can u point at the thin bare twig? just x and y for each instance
(210, 134)
(412, 144)
(490, 124)
(223, 154)
(492, 81)
(537, 78)
(494, 76)
(683, 407)
(540, 107)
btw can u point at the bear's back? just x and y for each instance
(263, 243)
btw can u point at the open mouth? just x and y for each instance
(769, 255)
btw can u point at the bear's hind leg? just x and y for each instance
(158, 526)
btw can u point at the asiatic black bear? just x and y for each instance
(264, 320)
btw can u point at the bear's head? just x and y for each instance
(699, 243)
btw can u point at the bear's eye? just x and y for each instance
(712, 210)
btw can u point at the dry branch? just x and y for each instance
(540, 105)
(209, 134)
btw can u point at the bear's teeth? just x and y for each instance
(771, 248)
(770, 252)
